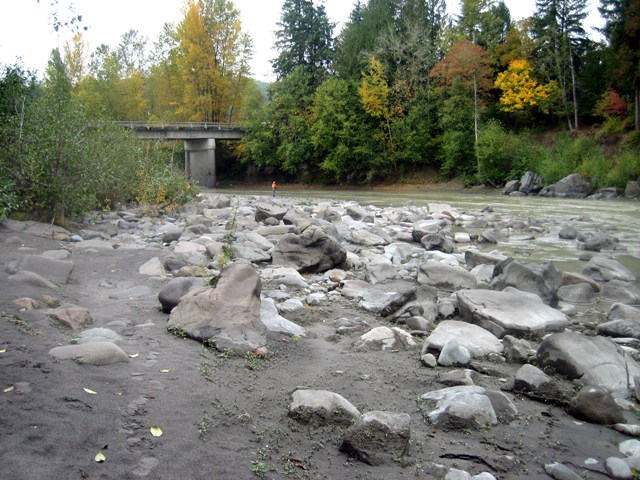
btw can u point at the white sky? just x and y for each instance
(25, 29)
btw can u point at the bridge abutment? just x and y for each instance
(200, 161)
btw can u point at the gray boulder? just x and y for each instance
(632, 190)
(439, 242)
(578, 293)
(57, 271)
(568, 232)
(559, 471)
(624, 321)
(397, 300)
(543, 279)
(453, 354)
(93, 353)
(323, 407)
(359, 214)
(365, 238)
(426, 227)
(596, 405)
(534, 383)
(378, 437)
(478, 341)
(510, 187)
(530, 183)
(617, 291)
(276, 323)
(509, 313)
(269, 210)
(445, 277)
(603, 269)
(574, 185)
(311, 251)
(228, 314)
(595, 242)
(177, 288)
(473, 258)
(468, 406)
(594, 360)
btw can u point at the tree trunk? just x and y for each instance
(475, 120)
(573, 88)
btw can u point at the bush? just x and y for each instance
(9, 201)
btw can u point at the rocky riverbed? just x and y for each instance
(258, 337)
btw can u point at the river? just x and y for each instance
(619, 217)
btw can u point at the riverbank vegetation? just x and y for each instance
(404, 88)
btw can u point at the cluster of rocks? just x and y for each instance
(232, 271)
(574, 185)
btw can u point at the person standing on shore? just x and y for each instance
(274, 187)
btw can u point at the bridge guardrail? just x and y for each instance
(139, 125)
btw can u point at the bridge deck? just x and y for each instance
(185, 130)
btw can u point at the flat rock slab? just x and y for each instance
(71, 316)
(97, 353)
(509, 313)
(31, 278)
(478, 341)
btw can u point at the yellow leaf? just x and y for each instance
(4, 350)
(134, 355)
(166, 370)
(9, 389)
(88, 390)
(156, 431)
(100, 457)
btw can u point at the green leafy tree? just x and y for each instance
(304, 39)
(465, 80)
(342, 140)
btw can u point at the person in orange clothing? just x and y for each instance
(274, 187)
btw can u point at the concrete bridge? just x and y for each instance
(199, 143)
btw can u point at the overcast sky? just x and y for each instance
(25, 29)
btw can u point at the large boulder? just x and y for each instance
(574, 185)
(378, 437)
(310, 252)
(93, 353)
(596, 405)
(603, 269)
(543, 279)
(623, 321)
(228, 314)
(530, 183)
(509, 313)
(594, 360)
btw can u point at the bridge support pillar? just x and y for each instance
(200, 161)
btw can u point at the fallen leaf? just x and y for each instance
(88, 390)
(4, 350)
(134, 355)
(100, 457)
(156, 431)
(166, 370)
(9, 389)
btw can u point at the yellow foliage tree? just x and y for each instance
(212, 56)
(520, 91)
(375, 96)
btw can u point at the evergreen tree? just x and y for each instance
(304, 39)
(622, 30)
(560, 39)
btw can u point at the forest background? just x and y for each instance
(405, 90)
